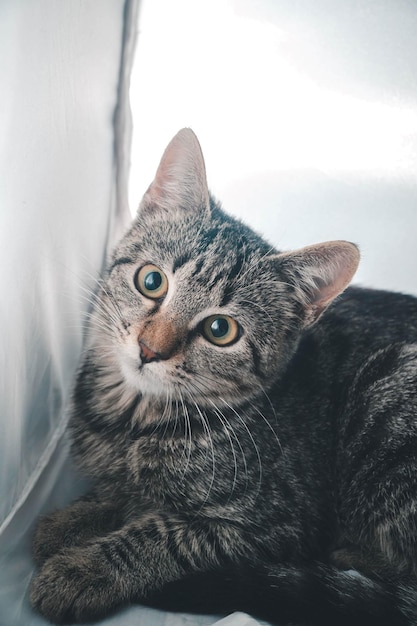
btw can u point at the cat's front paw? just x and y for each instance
(72, 587)
(72, 526)
(49, 537)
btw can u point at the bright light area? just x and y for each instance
(233, 79)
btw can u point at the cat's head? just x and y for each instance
(197, 307)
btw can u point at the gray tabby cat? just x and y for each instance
(252, 444)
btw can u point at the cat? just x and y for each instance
(248, 422)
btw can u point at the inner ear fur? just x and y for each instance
(319, 272)
(180, 183)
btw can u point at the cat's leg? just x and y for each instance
(378, 462)
(86, 518)
(82, 583)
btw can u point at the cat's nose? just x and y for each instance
(146, 354)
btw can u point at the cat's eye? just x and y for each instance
(221, 330)
(151, 282)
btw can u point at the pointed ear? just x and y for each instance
(319, 273)
(180, 183)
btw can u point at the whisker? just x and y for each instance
(226, 426)
(242, 421)
(256, 409)
(187, 429)
(206, 426)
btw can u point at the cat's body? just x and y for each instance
(251, 448)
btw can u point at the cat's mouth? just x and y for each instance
(165, 380)
(153, 381)
(152, 376)
(173, 380)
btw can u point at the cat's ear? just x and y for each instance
(319, 273)
(180, 183)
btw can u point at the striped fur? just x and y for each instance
(275, 475)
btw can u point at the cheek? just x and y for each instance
(224, 365)
(130, 347)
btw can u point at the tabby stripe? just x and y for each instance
(180, 261)
(374, 372)
(214, 280)
(198, 267)
(121, 261)
(119, 556)
(360, 437)
(361, 451)
(256, 358)
(362, 423)
(210, 236)
(113, 386)
(380, 367)
(109, 425)
(118, 552)
(372, 465)
(227, 295)
(177, 429)
(125, 550)
(233, 273)
(191, 547)
(135, 535)
(107, 553)
(368, 425)
(383, 468)
(154, 529)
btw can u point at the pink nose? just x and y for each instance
(146, 354)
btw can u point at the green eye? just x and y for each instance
(221, 330)
(151, 282)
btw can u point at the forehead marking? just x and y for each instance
(121, 261)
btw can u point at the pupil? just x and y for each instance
(220, 327)
(153, 281)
